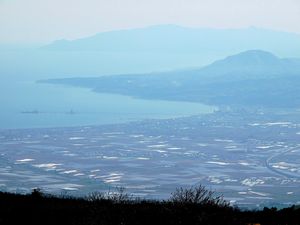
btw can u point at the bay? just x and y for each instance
(27, 104)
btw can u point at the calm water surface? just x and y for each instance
(26, 104)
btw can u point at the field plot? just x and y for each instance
(252, 158)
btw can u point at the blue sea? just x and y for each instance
(26, 104)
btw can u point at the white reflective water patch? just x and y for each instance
(48, 165)
(223, 140)
(143, 158)
(218, 163)
(78, 174)
(69, 171)
(252, 182)
(265, 147)
(76, 138)
(24, 160)
(110, 157)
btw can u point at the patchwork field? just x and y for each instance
(251, 158)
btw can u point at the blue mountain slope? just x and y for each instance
(175, 39)
(255, 78)
(253, 64)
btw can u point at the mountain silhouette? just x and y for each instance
(255, 77)
(177, 39)
(252, 63)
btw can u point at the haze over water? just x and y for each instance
(62, 106)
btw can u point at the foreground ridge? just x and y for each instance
(195, 205)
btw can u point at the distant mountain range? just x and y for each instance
(252, 78)
(176, 39)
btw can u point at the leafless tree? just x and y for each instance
(197, 195)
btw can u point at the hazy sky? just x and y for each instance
(29, 21)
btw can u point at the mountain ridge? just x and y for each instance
(266, 81)
(172, 38)
(254, 62)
